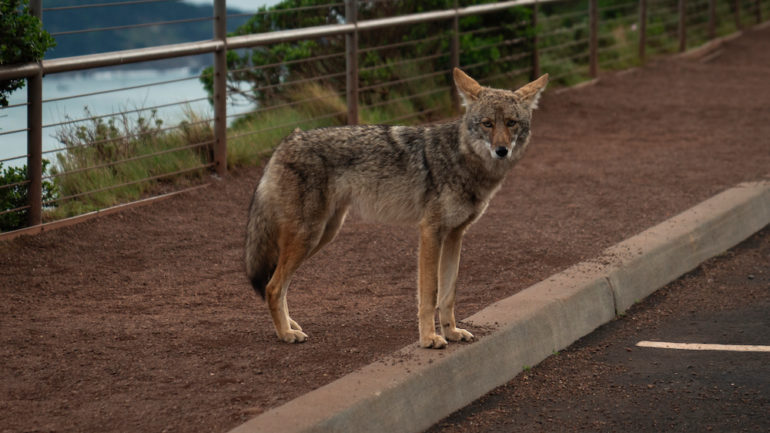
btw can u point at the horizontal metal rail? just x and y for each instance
(244, 41)
(400, 44)
(127, 160)
(11, 185)
(406, 98)
(625, 19)
(113, 58)
(511, 58)
(133, 182)
(287, 63)
(288, 104)
(619, 6)
(287, 11)
(132, 26)
(557, 17)
(506, 43)
(402, 81)
(13, 158)
(402, 62)
(18, 209)
(411, 115)
(122, 137)
(101, 5)
(20, 104)
(13, 131)
(292, 10)
(292, 83)
(567, 45)
(123, 113)
(512, 73)
(564, 31)
(508, 27)
(287, 125)
(121, 89)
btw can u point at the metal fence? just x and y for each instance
(362, 67)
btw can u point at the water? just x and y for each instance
(69, 84)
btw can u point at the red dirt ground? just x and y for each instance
(144, 321)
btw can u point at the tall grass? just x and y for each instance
(122, 158)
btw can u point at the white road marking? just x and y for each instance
(699, 346)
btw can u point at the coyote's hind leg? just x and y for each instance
(292, 251)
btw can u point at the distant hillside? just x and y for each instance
(55, 21)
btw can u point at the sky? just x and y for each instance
(244, 5)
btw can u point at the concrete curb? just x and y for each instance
(415, 388)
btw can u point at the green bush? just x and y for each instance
(16, 196)
(22, 39)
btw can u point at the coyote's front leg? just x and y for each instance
(448, 267)
(427, 281)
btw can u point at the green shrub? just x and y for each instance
(17, 195)
(22, 39)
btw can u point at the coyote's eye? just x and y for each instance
(486, 123)
(510, 123)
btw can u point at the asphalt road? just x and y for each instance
(606, 382)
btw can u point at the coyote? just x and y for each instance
(440, 177)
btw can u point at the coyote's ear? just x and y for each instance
(530, 93)
(468, 88)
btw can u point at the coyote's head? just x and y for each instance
(497, 121)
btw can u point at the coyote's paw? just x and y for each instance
(433, 341)
(293, 336)
(458, 334)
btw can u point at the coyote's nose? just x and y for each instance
(501, 151)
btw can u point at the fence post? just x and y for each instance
(758, 4)
(712, 19)
(351, 62)
(535, 52)
(35, 137)
(642, 30)
(682, 26)
(593, 16)
(220, 88)
(455, 60)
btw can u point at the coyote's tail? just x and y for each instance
(261, 245)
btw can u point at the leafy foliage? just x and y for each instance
(393, 54)
(14, 190)
(22, 39)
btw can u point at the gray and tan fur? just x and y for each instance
(439, 177)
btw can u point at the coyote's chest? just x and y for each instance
(459, 208)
